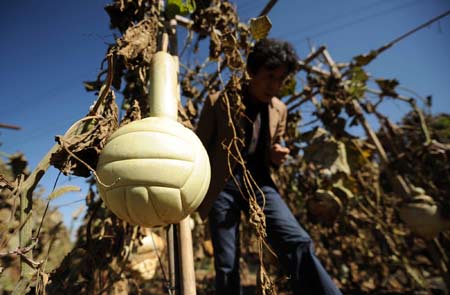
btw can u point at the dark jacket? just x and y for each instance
(216, 133)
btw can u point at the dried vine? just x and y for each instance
(346, 190)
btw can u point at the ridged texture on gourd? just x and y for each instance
(163, 171)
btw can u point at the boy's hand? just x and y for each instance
(278, 154)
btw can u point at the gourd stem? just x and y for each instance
(163, 86)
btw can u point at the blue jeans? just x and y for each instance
(288, 239)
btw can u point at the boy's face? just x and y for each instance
(266, 83)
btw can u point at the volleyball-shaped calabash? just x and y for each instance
(155, 172)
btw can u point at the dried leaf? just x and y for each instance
(324, 206)
(329, 154)
(260, 27)
(139, 41)
(87, 144)
(22, 287)
(63, 190)
(92, 85)
(387, 86)
(365, 59)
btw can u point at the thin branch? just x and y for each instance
(22, 252)
(46, 207)
(184, 21)
(8, 126)
(106, 88)
(423, 124)
(413, 104)
(309, 123)
(26, 193)
(399, 97)
(312, 69)
(314, 54)
(296, 105)
(268, 7)
(334, 69)
(209, 84)
(89, 224)
(383, 48)
(396, 40)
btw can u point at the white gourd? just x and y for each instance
(159, 170)
(423, 217)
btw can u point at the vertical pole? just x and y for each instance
(164, 98)
(172, 252)
(186, 257)
(185, 249)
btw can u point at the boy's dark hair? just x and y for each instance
(272, 53)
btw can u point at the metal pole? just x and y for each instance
(172, 252)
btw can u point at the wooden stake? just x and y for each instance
(186, 257)
(164, 42)
(183, 272)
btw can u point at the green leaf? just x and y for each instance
(62, 190)
(189, 7)
(358, 75)
(356, 85)
(288, 87)
(179, 7)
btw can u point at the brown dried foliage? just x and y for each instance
(50, 244)
(98, 263)
(363, 244)
(82, 143)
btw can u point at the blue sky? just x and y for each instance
(49, 47)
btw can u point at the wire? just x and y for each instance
(70, 203)
(46, 207)
(246, 5)
(359, 20)
(334, 18)
(166, 280)
(246, 12)
(419, 28)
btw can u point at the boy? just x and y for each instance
(269, 64)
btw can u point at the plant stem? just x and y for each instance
(26, 207)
